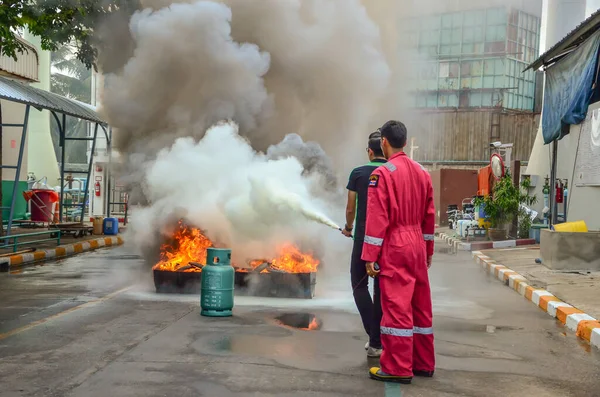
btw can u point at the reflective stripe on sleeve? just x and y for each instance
(390, 166)
(396, 331)
(374, 241)
(429, 237)
(423, 331)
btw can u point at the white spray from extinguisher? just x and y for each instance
(273, 195)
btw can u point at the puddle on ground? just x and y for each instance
(302, 321)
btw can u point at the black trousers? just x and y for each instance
(369, 309)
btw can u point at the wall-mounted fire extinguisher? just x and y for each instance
(97, 189)
(559, 192)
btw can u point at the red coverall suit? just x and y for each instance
(399, 237)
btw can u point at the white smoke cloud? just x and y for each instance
(240, 197)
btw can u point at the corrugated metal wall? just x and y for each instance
(25, 66)
(466, 135)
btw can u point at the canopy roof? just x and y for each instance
(571, 41)
(15, 91)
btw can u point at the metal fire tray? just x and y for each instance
(274, 284)
(177, 282)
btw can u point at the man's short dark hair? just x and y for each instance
(395, 133)
(375, 144)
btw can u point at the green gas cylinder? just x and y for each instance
(218, 277)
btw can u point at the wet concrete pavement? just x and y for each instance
(92, 326)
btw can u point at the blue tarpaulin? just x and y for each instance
(569, 89)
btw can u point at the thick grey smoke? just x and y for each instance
(315, 68)
(302, 79)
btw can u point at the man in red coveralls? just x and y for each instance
(398, 247)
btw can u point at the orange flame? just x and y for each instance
(289, 260)
(190, 245)
(187, 245)
(314, 325)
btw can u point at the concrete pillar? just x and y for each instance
(41, 159)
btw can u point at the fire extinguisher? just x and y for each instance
(97, 189)
(559, 192)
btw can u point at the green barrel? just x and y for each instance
(218, 277)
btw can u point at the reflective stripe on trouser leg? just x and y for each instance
(396, 331)
(424, 353)
(423, 331)
(428, 237)
(396, 324)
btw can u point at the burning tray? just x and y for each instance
(276, 284)
(167, 282)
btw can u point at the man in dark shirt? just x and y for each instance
(356, 210)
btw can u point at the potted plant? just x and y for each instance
(525, 219)
(503, 205)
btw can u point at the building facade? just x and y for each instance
(473, 58)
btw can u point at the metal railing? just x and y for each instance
(5, 240)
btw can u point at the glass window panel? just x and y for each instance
(465, 68)
(432, 100)
(475, 100)
(467, 48)
(479, 17)
(455, 49)
(499, 81)
(456, 35)
(488, 67)
(476, 68)
(491, 17)
(502, 16)
(454, 69)
(457, 19)
(453, 100)
(443, 100)
(445, 50)
(512, 32)
(479, 34)
(421, 101)
(468, 35)
(501, 33)
(512, 48)
(486, 99)
(464, 99)
(446, 21)
(446, 36)
(433, 85)
(476, 83)
(444, 70)
(465, 82)
(490, 33)
(469, 18)
(488, 82)
(499, 67)
(478, 48)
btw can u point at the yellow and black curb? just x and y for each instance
(15, 261)
(586, 327)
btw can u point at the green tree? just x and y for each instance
(61, 22)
